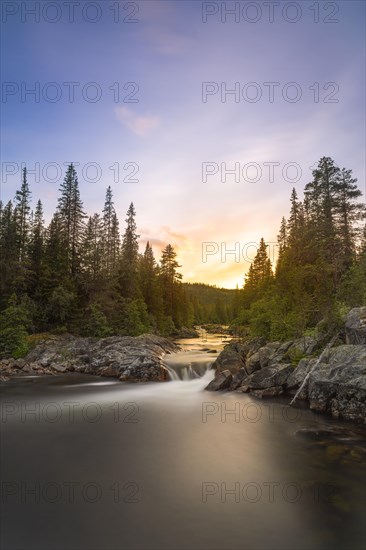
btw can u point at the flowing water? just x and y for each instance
(90, 463)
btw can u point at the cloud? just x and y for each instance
(139, 125)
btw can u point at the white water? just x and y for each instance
(195, 359)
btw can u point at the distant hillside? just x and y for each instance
(212, 304)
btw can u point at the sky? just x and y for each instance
(204, 114)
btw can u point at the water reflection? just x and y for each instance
(168, 465)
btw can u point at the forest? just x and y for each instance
(320, 272)
(81, 275)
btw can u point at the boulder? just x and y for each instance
(253, 363)
(297, 376)
(337, 383)
(238, 378)
(268, 392)
(185, 332)
(59, 368)
(267, 378)
(302, 346)
(222, 381)
(232, 358)
(355, 326)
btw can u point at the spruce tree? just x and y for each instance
(21, 213)
(111, 238)
(128, 264)
(71, 215)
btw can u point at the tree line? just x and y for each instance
(321, 268)
(80, 275)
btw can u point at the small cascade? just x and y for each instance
(172, 373)
(188, 373)
(194, 360)
(181, 368)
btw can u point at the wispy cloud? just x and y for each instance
(139, 125)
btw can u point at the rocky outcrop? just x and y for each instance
(124, 357)
(355, 326)
(266, 378)
(185, 332)
(335, 379)
(221, 382)
(338, 383)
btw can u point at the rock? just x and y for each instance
(298, 374)
(59, 368)
(268, 377)
(19, 363)
(185, 332)
(268, 355)
(355, 326)
(232, 358)
(337, 385)
(124, 357)
(302, 346)
(253, 363)
(238, 378)
(268, 392)
(338, 433)
(216, 329)
(221, 382)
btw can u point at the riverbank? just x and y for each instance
(127, 358)
(329, 375)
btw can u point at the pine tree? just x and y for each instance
(348, 213)
(36, 248)
(70, 210)
(21, 213)
(148, 277)
(282, 243)
(92, 250)
(56, 254)
(128, 263)
(8, 253)
(170, 279)
(111, 238)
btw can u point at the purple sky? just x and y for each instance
(296, 72)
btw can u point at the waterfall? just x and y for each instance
(172, 374)
(193, 362)
(182, 372)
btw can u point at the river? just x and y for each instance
(91, 463)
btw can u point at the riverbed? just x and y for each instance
(91, 463)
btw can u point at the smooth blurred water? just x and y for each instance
(90, 463)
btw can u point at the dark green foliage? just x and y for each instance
(14, 320)
(77, 276)
(96, 323)
(321, 267)
(210, 304)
